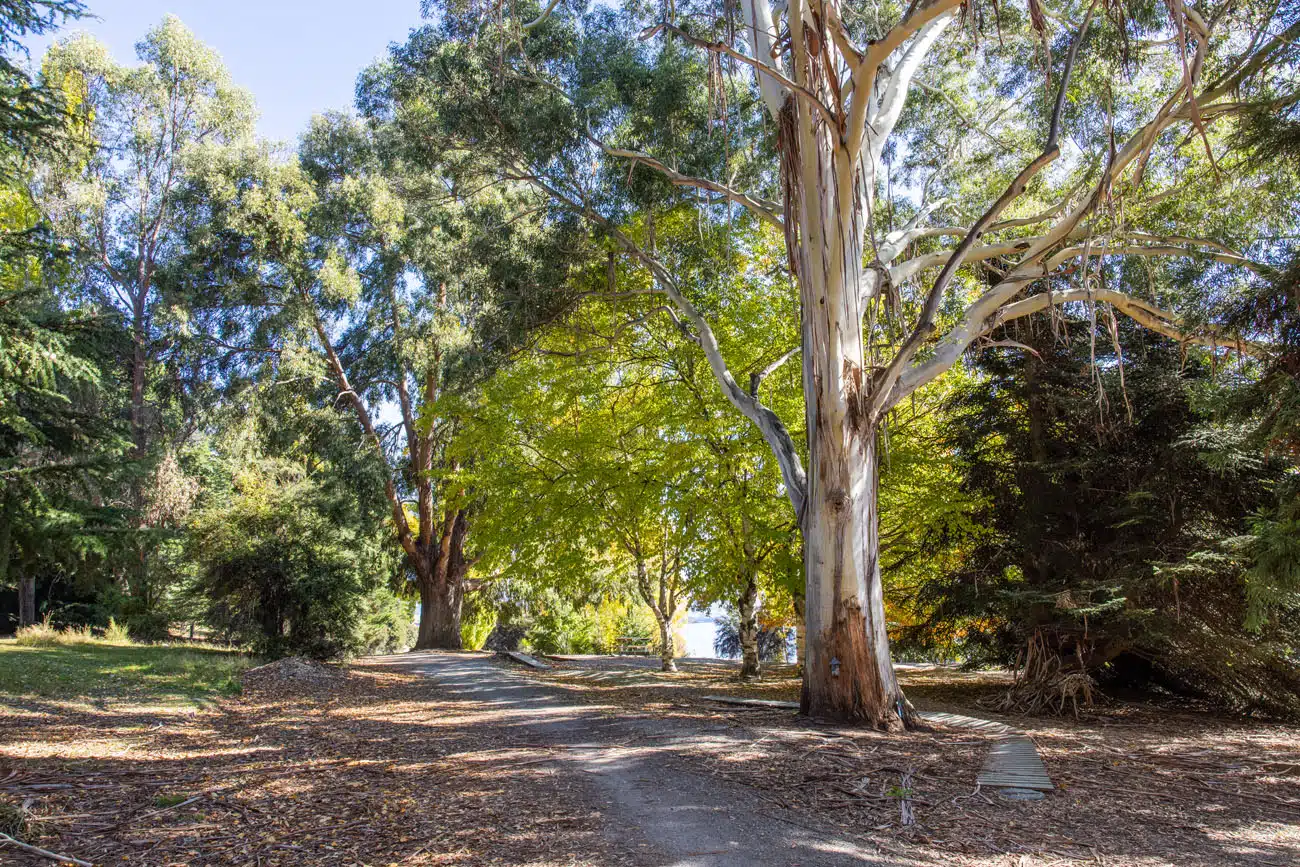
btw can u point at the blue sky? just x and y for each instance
(298, 57)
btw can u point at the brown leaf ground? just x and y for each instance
(376, 768)
(385, 767)
(1139, 783)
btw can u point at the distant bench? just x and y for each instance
(634, 645)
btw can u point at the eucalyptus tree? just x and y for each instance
(807, 117)
(117, 203)
(396, 294)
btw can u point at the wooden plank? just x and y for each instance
(754, 702)
(524, 659)
(1014, 763)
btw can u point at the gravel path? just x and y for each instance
(648, 796)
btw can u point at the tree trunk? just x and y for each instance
(26, 600)
(747, 605)
(139, 368)
(440, 607)
(848, 675)
(667, 647)
(442, 588)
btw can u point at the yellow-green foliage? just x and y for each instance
(116, 633)
(476, 624)
(615, 618)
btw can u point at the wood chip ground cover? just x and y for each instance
(378, 768)
(1139, 784)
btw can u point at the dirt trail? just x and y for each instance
(647, 795)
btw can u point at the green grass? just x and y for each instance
(100, 670)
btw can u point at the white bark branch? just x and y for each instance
(546, 13)
(1143, 312)
(899, 82)
(762, 44)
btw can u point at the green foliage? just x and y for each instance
(773, 641)
(386, 625)
(477, 620)
(1112, 513)
(559, 625)
(29, 113)
(278, 569)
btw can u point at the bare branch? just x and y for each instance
(764, 209)
(756, 379)
(1057, 259)
(1143, 312)
(890, 106)
(546, 13)
(762, 44)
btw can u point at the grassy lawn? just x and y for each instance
(95, 670)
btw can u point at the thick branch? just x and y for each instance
(927, 322)
(1143, 312)
(400, 523)
(546, 13)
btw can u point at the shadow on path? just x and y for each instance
(645, 792)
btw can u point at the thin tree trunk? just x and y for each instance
(750, 667)
(800, 633)
(26, 600)
(667, 646)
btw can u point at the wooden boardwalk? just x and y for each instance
(1012, 763)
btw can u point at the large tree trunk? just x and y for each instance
(848, 674)
(26, 600)
(440, 607)
(442, 587)
(747, 606)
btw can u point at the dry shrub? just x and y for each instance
(1044, 685)
(44, 634)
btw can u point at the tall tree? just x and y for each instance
(52, 443)
(410, 293)
(117, 204)
(886, 306)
